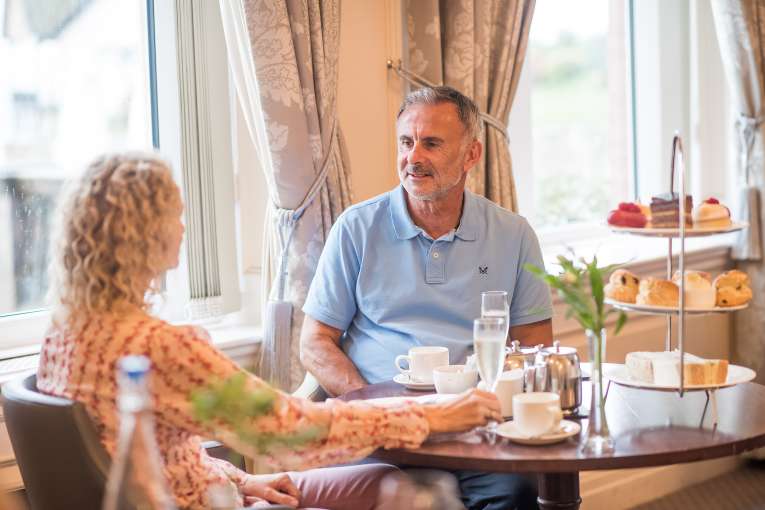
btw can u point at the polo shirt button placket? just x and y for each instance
(434, 270)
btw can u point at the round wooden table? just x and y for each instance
(649, 428)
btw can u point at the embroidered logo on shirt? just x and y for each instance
(483, 270)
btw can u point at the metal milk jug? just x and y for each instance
(557, 370)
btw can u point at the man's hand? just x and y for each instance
(321, 355)
(277, 488)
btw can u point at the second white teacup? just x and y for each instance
(509, 384)
(537, 413)
(422, 360)
(454, 378)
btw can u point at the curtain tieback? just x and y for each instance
(287, 219)
(416, 79)
(747, 128)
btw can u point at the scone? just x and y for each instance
(622, 286)
(656, 292)
(732, 288)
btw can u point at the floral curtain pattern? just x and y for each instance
(294, 49)
(477, 47)
(740, 26)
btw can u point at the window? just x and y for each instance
(78, 86)
(91, 76)
(577, 113)
(605, 85)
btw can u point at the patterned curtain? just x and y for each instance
(284, 56)
(477, 47)
(740, 26)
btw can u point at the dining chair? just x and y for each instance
(58, 451)
(310, 389)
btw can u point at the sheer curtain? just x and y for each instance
(740, 26)
(477, 47)
(284, 55)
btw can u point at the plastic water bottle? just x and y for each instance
(136, 479)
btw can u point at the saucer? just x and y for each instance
(413, 385)
(567, 429)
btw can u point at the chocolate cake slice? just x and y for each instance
(665, 211)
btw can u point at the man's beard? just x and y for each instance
(420, 170)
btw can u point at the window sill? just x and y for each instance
(631, 251)
(239, 342)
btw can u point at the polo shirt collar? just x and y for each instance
(469, 222)
(406, 229)
(399, 214)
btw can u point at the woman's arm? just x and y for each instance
(185, 362)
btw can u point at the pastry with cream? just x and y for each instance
(622, 286)
(663, 368)
(711, 214)
(732, 288)
(657, 292)
(699, 292)
(646, 210)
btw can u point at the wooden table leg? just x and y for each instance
(559, 491)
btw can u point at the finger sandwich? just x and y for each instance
(663, 368)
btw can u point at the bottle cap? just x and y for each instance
(135, 367)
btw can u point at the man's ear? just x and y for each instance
(472, 155)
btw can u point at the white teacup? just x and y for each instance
(509, 384)
(422, 360)
(537, 413)
(454, 378)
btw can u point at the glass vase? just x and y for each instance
(597, 440)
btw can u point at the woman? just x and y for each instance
(121, 231)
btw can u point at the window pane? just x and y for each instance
(75, 85)
(577, 59)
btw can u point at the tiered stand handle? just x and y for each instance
(678, 158)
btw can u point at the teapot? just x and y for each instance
(520, 357)
(556, 369)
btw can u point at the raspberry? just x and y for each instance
(629, 207)
(711, 200)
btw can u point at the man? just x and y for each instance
(408, 267)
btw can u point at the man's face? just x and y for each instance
(434, 153)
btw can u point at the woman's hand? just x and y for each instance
(466, 411)
(277, 488)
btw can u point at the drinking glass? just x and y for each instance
(489, 336)
(494, 304)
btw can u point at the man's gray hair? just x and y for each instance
(467, 111)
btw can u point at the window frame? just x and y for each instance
(24, 330)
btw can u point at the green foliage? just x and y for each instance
(580, 285)
(232, 403)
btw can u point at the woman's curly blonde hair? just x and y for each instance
(112, 240)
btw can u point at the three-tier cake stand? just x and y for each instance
(736, 374)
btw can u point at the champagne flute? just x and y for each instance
(489, 336)
(494, 304)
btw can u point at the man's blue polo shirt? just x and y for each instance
(389, 286)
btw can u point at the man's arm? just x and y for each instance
(321, 355)
(533, 334)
